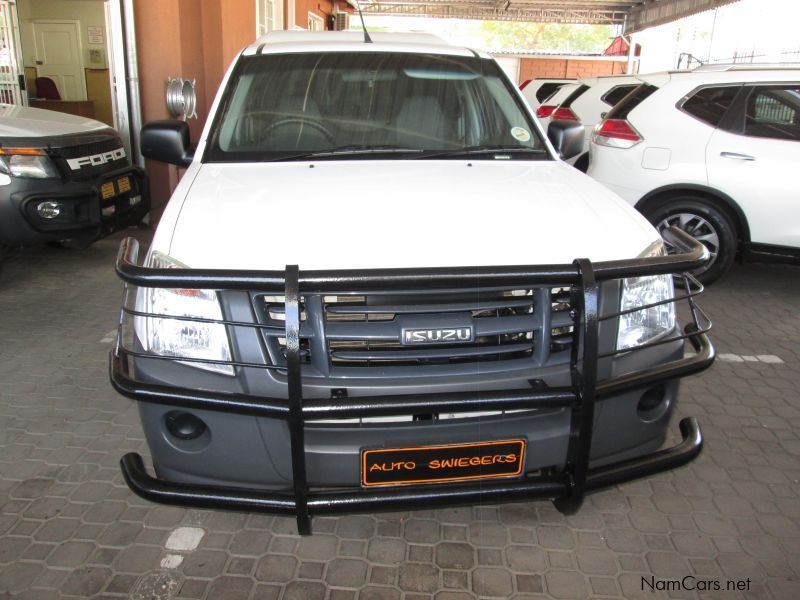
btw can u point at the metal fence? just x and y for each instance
(10, 84)
(750, 56)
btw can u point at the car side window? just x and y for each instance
(546, 90)
(773, 111)
(631, 101)
(710, 104)
(617, 93)
(577, 93)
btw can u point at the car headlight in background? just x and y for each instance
(31, 163)
(182, 338)
(643, 326)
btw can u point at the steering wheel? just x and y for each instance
(301, 121)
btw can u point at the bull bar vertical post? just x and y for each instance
(584, 380)
(295, 388)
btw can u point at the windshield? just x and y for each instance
(380, 105)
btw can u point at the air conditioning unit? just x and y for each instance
(341, 21)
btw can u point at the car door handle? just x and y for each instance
(736, 156)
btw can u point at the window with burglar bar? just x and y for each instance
(269, 16)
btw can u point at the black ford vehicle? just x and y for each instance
(64, 179)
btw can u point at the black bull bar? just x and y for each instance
(567, 487)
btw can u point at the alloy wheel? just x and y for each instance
(697, 227)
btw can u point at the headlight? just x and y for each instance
(182, 338)
(31, 163)
(646, 325)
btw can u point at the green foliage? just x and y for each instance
(546, 36)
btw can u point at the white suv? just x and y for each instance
(586, 102)
(715, 153)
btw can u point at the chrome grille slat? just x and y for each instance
(365, 331)
(430, 308)
(416, 354)
(383, 330)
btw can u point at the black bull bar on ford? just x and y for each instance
(567, 487)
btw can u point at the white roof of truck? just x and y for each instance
(280, 42)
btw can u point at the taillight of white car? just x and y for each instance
(564, 114)
(545, 110)
(616, 133)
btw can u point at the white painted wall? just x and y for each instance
(509, 64)
(767, 30)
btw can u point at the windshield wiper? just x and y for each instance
(478, 150)
(370, 149)
(350, 151)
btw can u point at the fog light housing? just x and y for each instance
(653, 404)
(184, 425)
(49, 209)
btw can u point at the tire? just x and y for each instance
(703, 220)
(582, 164)
(72, 243)
(5, 252)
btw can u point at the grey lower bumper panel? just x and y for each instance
(407, 497)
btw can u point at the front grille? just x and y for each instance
(88, 148)
(348, 334)
(92, 146)
(363, 331)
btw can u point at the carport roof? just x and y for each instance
(633, 15)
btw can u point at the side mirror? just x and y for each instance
(567, 137)
(167, 141)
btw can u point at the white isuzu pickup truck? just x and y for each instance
(378, 286)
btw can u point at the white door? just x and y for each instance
(758, 167)
(10, 89)
(59, 57)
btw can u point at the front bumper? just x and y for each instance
(85, 217)
(574, 399)
(391, 499)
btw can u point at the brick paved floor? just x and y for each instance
(70, 528)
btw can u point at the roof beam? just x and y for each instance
(538, 11)
(657, 12)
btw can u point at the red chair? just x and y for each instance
(46, 88)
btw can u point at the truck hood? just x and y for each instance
(385, 214)
(21, 121)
